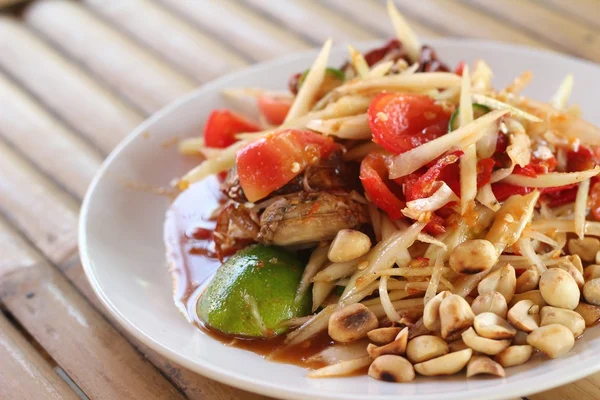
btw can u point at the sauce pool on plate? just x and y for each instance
(192, 263)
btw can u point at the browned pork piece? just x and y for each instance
(297, 218)
(309, 217)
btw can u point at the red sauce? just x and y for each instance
(192, 262)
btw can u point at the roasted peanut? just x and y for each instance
(585, 248)
(457, 345)
(426, 347)
(392, 368)
(570, 319)
(553, 340)
(591, 292)
(448, 364)
(491, 326)
(382, 336)
(473, 256)
(431, 313)
(484, 345)
(520, 338)
(492, 302)
(591, 272)
(514, 355)
(502, 280)
(481, 365)
(576, 261)
(528, 280)
(571, 270)
(351, 323)
(524, 316)
(455, 315)
(589, 312)
(534, 295)
(559, 289)
(348, 245)
(397, 347)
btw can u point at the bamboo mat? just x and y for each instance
(76, 77)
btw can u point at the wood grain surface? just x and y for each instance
(77, 76)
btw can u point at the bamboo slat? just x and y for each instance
(566, 34)
(195, 53)
(584, 10)
(372, 14)
(37, 135)
(37, 206)
(24, 374)
(312, 20)
(64, 87)
(247, 32)
(84, 344)
(117, 60)
(458, 19)
(137, 75)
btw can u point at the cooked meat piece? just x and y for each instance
(429, 62)
(236, 228)
(309, 217)
(329, 174)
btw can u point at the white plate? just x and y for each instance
(123, 254)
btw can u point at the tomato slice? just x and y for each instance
(402, 121)
(271, 162)
(222, 126)
(380, 190)
(275, 109)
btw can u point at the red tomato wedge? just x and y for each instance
(379, 189)
(275, 109)
(402, 121)
(271, 162)
(222, 126)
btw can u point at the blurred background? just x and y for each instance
(77, 76)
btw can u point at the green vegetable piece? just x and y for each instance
(478, 111)
(253, 292)
(331, 73)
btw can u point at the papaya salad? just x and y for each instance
(397, 216)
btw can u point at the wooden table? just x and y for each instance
(76, 77)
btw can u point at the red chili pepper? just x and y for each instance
(435, 226)
(501, 143)
(582, 159)
(460, 68)
(558, 198)
(556, 189)
(375, 55)
(381, 191)
(423, 186)
(503, 191)
(485, 168)
(594, 199)
(537, 167)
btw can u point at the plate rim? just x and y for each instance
(240, 381)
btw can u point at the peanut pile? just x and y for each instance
(502, 327)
